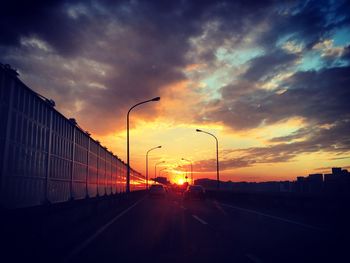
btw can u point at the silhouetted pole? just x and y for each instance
(217, 156)
(147, 163)
(127, 141)
(191, 168)
(155, 169)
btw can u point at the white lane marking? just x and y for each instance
(200, 220)
(275, 217)
(83, 245)
(253, 258)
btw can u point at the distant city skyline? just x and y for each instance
(345, 169)
(334, 183)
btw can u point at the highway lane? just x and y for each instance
(154, 229)
(271, 238)
(172, 230)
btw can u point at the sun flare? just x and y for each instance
(180, 181)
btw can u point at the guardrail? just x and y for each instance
(300, 203)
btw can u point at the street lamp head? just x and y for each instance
(160, 162)
(155, 99)
(198, 130)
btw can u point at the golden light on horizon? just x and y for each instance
(244, 154)
(180, 181)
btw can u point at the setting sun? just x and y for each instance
(180, 181)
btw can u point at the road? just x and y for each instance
(173, 230)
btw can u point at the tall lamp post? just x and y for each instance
(191, 168)
(147, 163)
(155, 169)
(127, 141)
(217, 156)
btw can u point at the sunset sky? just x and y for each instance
(271, 79)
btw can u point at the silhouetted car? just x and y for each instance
(194, 192)
(157, 190)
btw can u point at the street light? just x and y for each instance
(217, 156)
(155, 169)
(127, 141)
(147, 163)
(191, 168)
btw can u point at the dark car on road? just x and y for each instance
(157, 190)
(194, 192)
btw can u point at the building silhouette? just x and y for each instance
(337, 182)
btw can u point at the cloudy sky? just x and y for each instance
(270, 78)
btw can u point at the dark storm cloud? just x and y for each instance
(320, 97)
(44, 19)
(49, 21)
(335, 140)
(144, 45)
(245, 105)
(141, 45)
(306, 21)
(269, 65)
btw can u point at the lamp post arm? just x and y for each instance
(137, 104)
(212, 136)
(152, 149)
(217, 156)
(128, 143)
(147, 163)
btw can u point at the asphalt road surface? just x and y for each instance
(173, 230)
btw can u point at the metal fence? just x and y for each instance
(47, 158)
